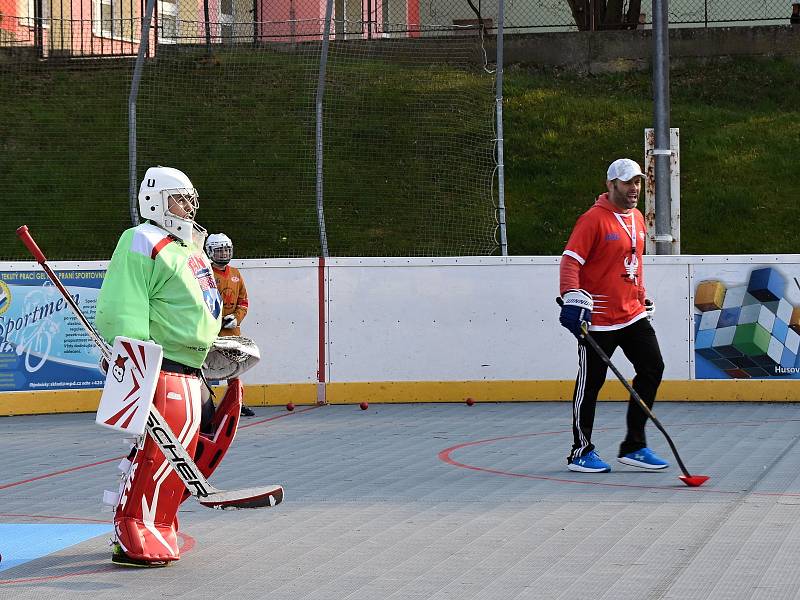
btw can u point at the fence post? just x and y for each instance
(206, 19)
(661, 152)
(144, 42)
(501, 190)
(38, 27)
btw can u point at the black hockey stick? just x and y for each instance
(158, 429)
(687, 478)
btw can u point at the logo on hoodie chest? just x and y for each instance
(208, 285)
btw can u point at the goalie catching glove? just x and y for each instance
(576, 309)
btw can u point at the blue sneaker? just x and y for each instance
(644, 459)
(589, 463)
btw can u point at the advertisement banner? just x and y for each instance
(43, 345)
(746, 321)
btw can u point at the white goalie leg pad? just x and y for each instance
(110, 498)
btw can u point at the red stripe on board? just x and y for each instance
(114, 418)
(129, 419)
(132, 354)
(321, 295)
(144, 357)
(134, 389)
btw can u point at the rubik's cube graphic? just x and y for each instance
(748, 331)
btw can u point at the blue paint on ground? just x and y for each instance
(20, 543)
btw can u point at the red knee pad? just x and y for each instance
(145, 518)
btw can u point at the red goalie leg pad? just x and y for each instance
(144, 520)
(212, 447)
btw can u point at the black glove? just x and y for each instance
(649, 308)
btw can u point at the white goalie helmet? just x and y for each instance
(168, 198)
(219, 248)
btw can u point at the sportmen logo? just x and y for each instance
(184, 470)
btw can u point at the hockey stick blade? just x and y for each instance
(260, 497)
(196, 484)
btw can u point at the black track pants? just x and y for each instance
(640, 346)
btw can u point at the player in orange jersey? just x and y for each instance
(230, 283)
(602, 288)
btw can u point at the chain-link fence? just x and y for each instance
(380, 142)
(387, 146)
(106, 27)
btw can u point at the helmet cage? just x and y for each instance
(222, 255)
(219, 249)
(186, 198)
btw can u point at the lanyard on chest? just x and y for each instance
(632, 263)
(630, 232)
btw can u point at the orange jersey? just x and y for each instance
(234, 296)
(608, 245)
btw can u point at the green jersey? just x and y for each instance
(158, 288)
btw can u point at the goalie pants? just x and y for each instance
(145, 519)
(639, 344)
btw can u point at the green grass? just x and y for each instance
(740, 132)
(63, 154)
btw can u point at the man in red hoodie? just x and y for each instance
(602, 287)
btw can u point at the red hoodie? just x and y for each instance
(604, 257)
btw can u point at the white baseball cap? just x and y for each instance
(624, 169)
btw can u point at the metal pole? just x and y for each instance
(144, 40)
(323, 65)
(38, 28)
(207, 19)
(256, 22)
(501, 190)
(661, 152)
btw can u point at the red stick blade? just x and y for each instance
(693, 480)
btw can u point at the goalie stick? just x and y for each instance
(158, 429)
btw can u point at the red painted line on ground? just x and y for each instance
(54, 517)
(446, 457)
(281, 416)
(186, 547)
(4, 486)
(70, 470)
